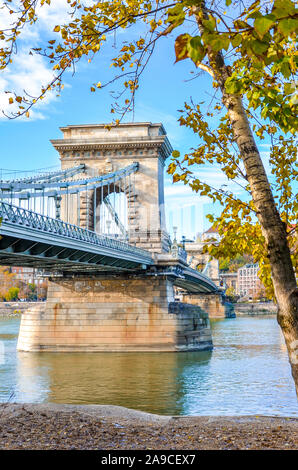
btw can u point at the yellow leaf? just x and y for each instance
(56, 29)
(27, 114)
(10, 100)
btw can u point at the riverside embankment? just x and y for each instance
(255, 308)
(9, 309)
(39, 426)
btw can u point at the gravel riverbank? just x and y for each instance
(51, 426)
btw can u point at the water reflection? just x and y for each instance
(247, 373)
(145, 381)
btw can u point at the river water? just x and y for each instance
(246, 373)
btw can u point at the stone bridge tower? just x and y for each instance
(104, 151)
(118, 310)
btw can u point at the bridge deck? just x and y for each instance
(31, 239)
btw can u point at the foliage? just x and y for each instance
(231, 294)
(224, 264)
(12, 294)
(262, 36)
(232, 265)
(7, 280)
(261, 70)
(31, 292)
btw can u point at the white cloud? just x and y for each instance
(30, 72)
(54, 14)
(48, 17)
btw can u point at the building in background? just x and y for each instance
(210, 234)
(248, 282)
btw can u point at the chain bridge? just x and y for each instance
(97, 228)
(33, 233)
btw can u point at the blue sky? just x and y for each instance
(25, 143)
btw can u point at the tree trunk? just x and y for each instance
(273, 229)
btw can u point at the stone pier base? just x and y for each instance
(213, 304)
(120, 313)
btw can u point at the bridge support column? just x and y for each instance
(213, 304)
(120, 313)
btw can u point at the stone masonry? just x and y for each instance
(214, 304)
(123, 313)
(104, 151)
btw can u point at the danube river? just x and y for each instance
(246, 373)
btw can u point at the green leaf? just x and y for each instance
(176, 15)
(285, 69)
(288, 26)
(210, 24)
(228, 2)
(196, 49)
(232, 85)
(289, 88)
(225, 41)
(218, 42)
(284, 7)
(263, 24)
(259, 47)
(236, 41)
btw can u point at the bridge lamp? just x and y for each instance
(175, 233)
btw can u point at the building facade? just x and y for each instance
(248, 283)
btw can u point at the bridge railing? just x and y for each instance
(18, 216)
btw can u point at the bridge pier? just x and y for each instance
(214, 304)
(114, 313)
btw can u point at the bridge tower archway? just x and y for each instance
(114, 207)
(103, 151)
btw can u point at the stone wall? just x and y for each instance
(213, 304)
(192, 328)
(255, 308)
(121, 313)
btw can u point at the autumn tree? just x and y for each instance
(248, 50)
(12, 294)
(9, 285)
(230, 293)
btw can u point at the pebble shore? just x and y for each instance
(51, 426)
